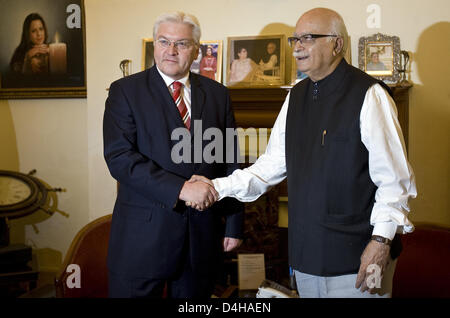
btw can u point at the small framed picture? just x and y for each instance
(147, 53)
(379, 56)
(209, 60)
(296, 74)
(43, 49)
(256, 61)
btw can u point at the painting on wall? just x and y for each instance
(147, 53)
(43, 49)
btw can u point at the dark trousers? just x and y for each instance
(185, 284)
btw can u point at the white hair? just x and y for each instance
(179, 17)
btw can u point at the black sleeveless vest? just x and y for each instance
(331, 195)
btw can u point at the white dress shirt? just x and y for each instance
(388, 165)
(186, 87)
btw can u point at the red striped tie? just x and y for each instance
(179, 101)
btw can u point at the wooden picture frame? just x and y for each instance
(256, 61)
(209, 66)
(379, 56)
(147, 53)
(49, 63)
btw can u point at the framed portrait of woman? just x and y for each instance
(43, 49)
(256, 61)
(209, 60)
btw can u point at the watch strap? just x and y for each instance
(381, 239)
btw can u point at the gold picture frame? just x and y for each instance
(379, 56)
(52, 66)
(209, 66)
(256, 61)
(147, 53)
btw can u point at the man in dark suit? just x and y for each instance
(156, 240)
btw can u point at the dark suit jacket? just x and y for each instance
(150, 228)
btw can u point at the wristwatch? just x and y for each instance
(381, 239)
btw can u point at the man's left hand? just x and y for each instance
(374, 253)
(230, 243)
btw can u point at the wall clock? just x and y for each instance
(20, 195)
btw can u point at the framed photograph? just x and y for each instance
(379, 56)
(147, 53)
(43, 49)
(256, 61)
(297, 76)
(208, 62)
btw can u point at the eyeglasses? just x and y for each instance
(179, 45)
(307, 38)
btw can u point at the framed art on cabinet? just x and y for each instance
(147, 53)
(43, 49)
(256, 61)
(379, 56)
(209, 60)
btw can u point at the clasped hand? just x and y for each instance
(199, 193)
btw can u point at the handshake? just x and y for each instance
(199, 193)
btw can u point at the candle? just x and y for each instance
(58, 58)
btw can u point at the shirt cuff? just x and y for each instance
(222, 186)
(385, 229)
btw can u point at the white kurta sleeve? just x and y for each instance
(388, 165)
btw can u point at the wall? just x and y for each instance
(52, 138)
(62, 139)
(9, 159)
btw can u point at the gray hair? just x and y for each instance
(179, 17)
(338, 28)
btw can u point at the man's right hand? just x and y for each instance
(200, 195)
(195, 178)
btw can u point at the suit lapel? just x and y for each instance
(197, 102)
